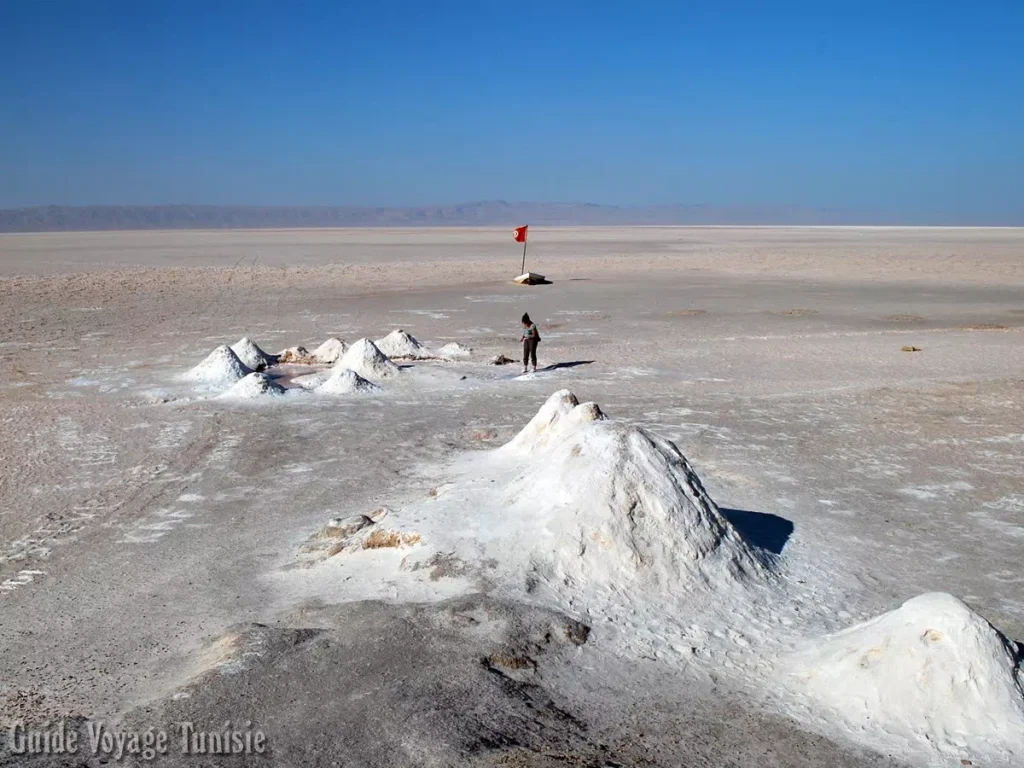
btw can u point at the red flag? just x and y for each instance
(519, 234)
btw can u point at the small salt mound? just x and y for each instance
(251, 355)
(367, 360)
(252, 387)
(455, 350)
(343, 381)
(930, 670)
(399, 344)
(221, 366)
(608, 504)
(330, 351)
(295, 355)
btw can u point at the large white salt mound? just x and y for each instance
(367, 360)
(252, 387)
(454, 349)
(343, 381)
(607, 504)
(251, 355)
(330, 351)
(221, 367)
(399, 344)
(932, 670)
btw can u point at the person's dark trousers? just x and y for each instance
(529, 352)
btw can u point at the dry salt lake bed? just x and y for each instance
(166, 554)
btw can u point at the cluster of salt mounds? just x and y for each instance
(343, 381)
(400, 345)
(931, 670)
(330, 351)
(221, 367)
(605, 503)
(367, 360)
(253, 387)
(249, 352)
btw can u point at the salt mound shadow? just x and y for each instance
(367, 360)
(609, 504)
(221, 367)
(400, 345)
(932, 670)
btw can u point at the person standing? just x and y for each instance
(530, 338)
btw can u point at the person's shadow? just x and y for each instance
(762, 529)
(557, 366)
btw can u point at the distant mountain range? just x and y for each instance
(59, 218)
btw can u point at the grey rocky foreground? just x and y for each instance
(472, 681)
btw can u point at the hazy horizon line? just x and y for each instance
(481, 213)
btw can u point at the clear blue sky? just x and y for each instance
(910, 106)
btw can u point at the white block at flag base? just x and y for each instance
(529, 278)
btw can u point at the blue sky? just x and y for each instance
(902, 106)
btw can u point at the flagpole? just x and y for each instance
(524, 256)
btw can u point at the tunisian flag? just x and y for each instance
(519, 234)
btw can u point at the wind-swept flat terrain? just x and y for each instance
(167, 555)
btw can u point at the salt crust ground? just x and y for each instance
(879, 461)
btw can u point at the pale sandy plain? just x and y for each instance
(140, 524)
